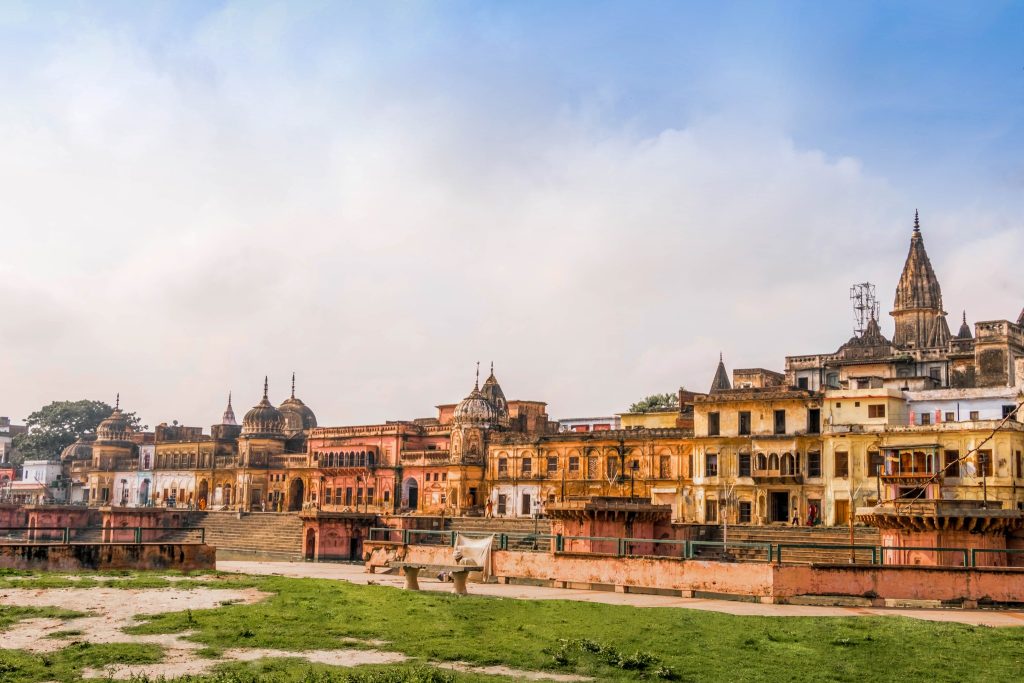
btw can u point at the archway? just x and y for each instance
(144, 492)
(295, 494)
(204, 493)
(310, 541)
(411, 493)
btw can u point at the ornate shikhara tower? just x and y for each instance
(920, 320)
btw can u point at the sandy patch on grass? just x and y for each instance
(110, 610)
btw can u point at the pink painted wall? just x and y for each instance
(898, 539)
(761, 580)
(180, 556)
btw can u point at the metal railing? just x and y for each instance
(750, 551)
(42, 535)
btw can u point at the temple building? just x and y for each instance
(922, 353)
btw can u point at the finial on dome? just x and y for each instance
(721, 358)
(117, 401)
(229, 399)
(476, 384)
(293, 384)
(965, 316)
(266, 386)
(917, 222)
(492, 367)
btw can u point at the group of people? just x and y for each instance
(813, 519)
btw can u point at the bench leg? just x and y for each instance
(411, 584)
(459, 581)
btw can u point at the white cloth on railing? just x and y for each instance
(474, 551)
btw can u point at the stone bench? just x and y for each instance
(458, 572)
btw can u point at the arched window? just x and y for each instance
(773, 462)
(787, 464)
(762, 462)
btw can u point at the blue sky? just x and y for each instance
(600, 196)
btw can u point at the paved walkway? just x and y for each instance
(356, 574)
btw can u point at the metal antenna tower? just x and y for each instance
(865, 306)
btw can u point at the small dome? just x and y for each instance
(81, 449)
(475, 409)
(115, 427)
(297, 415)
(263, 419)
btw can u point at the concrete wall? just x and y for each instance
(178, 556)
(762, 581)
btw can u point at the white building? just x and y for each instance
(37, 484)
(589, 424)
(936, 406)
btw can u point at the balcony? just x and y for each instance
(775, 478)
(435, 455)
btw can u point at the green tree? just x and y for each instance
(54, 427)
(656, 402)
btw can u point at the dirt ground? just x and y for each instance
(111, 610)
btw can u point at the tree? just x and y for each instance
(656, 402)
(54, 427)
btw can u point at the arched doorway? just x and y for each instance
(144, 492)
(295, 493)
(310, 541)
(411, 494)
(204, 493)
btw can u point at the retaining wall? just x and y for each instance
(101, 556)
(752, 580)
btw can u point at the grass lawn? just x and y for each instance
(605, 642)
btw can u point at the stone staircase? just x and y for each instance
(799, 535)
(523, 533)
(261, 535)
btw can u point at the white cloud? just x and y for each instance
(183, 223)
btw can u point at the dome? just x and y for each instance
(297, 415)
(81, 449)
(263, 419)
(116, 427)
(475, 409)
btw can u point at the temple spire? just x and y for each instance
(721, 380)
(965, 329)
(266, 387)
(917, 310)
(117, 401)
(293, 384)
(228, 418)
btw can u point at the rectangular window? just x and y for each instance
(502, 504)
(1009, 410)
(1020, 464)
(876, 410)
(552, 465)
(875, 463)
(935, 373)
(444, 476)
(337, 495)
(813, 464)
(327, 497)
(814, 421)
(744, 512)
(744, 465)
(744, 422)
(926, 418)
(714, 426)
(711, 465)
(711, 511)
(985, 463)
(780, 421)
(950, 416)
(801, 383)
(841, 465)
(974, 414)
(502, 467)
(527, 466)
(348, 495)
(369, 496)
(574, 464)
(951, 463)
(665, 467)
(689, 465)
(612, 467)
(359, 496)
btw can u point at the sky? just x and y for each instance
(599, 197)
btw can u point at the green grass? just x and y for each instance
(603, 641)
(314, 614)
(11, 615)
(17, 666)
